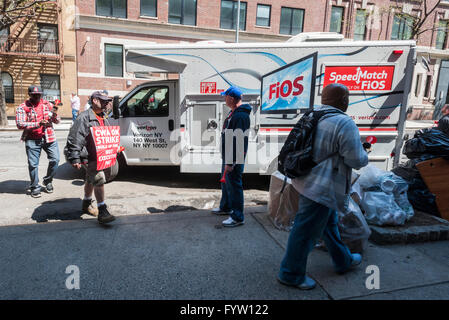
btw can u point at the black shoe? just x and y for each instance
(103, 215)
(49, 187)
(36, 193)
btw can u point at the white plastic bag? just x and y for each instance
(370, 176)
(354, 229)
(382, 209)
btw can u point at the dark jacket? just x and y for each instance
(239, 119)
(80, 143)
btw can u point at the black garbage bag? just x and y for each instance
(429, 142)
(421, 198)
(443, 124)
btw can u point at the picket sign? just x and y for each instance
(107, 143)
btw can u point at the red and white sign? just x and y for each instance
(360, 78)
(208, 87)
(107, 143)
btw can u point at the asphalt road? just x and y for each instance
(136, 190)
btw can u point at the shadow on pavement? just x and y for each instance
(172, 178)
(61, 209)
(14, 186)
(67, 172)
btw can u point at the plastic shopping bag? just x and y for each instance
(282, 206)
(354, 229)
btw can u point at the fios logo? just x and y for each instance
(365, 78)
(286, 88)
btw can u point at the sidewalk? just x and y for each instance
(64, 125)
(189, 255)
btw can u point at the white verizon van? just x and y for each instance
(178, 122)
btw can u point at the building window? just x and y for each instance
(427, 87)
(8, 87)
(148, 8)
(111, 8)
(113, 60)
(228, 15)
(50, 87)
(441, 35)
(182, 12)
(336, 19)
(360, 25)
(418, 84)
(292, 21)
(4, 34)
(402, 28)
(47, 40)
(263, 15)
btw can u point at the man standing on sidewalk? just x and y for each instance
(234, 145)
(76, 104)
(324, 191)
(36, 117)
(81, 151)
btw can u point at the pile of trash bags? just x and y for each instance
(426, 144)
(383, 197)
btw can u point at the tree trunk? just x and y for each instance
(3, 118)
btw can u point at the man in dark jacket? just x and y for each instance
(234, 145)
(81, 151)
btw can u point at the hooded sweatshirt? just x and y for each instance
(235, 134)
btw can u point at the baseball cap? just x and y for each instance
(34, 90)
(100, 95)
(233, 92)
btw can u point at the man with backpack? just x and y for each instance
(324, 183)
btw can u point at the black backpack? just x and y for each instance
(295, 158)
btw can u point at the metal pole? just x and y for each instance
(237, 27)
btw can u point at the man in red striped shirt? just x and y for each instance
(36, 117)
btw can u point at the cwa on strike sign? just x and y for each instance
(107, 143)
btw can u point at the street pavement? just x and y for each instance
(188, 255)
(175, 255)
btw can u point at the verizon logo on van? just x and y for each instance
(366, 78)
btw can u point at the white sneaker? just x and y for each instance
(229, 222)
(220, 212)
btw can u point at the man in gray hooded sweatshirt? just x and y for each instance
(337, 149)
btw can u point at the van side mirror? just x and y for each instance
(115, 107)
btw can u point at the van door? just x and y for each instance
(147, 123)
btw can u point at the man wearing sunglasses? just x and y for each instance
(81, 151)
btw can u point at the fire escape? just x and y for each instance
(18, 48)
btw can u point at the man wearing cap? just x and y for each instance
(36, 117)
(81, 151)
(234, 145)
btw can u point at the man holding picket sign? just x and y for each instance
(94, 144)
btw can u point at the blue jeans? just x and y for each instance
(232, 192)
(74, 114)
(33, 150)
(312, 222)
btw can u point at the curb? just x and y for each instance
(401, 235)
